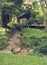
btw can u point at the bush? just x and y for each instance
(23, 42)
(42, 48)
(38, 44)
(34, 41)
(12, 25)
(3, 44)
(19, 26)
(29, 42)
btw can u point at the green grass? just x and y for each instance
(13, 59)
(28, 32)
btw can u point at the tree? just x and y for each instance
(6, 13)
(43, 4)
(36, 15)
(10, 8)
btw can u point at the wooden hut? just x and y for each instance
(23, 18)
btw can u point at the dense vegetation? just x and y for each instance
(10, 9)
(32, 41)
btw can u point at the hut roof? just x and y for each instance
(25, 15)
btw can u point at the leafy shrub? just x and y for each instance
(3, 44)
(12, 25)
(42, 48)
(34, 41)
(38, 44)
(24, 42)
(19, 26)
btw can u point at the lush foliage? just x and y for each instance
(11, 8)
(33, 39)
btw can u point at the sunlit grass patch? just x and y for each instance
(34, 32)
(13, 59)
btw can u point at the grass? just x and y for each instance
(13, 59)
(28, 32)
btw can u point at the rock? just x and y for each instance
(16, 50)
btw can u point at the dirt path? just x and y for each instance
(13, 43)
